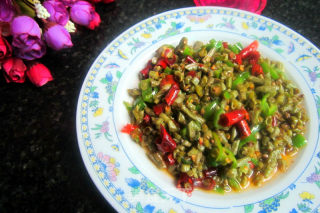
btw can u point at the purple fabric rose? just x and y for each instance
(25, 31)
(27, 38)
(68, 3)
(83, 13)
(6, 11)
(34, 51)
(58, 12)
(57, 37)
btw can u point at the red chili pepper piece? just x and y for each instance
(129, 128)
(172, 94)
(169, 79)
(172, 60)
(169, 159)
(243, 128)
(274, 121)
(253, 57)
(192, 73)
(238, 59)
(249, 49)
(146, 118)
(162, 62)
(251, 164)
(230, 118)
(225, 44)
(190, 60)
(208, 183)
(145, 71)
(256, 70)
(159, 108)
(185, 183)
(167, 143)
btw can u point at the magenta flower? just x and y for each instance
(255, 6)
(83, 13)
(25, 31)
(68, 3)
(6, 11)
(58, 12)
(34, 51)
(57, 37)
(27, 38)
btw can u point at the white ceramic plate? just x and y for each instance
(120, 168)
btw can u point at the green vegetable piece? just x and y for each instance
(274, 73)
(299, 141)
(233, 183)
(234, 48)
(251, 138)
(139, 102)
(168, 71)
(147, 95)
(229, 63)
(226, 95)
(266, 109)
(219, 190)
(218, 72)
(145, 84)
(211, 44)
(265, 66)
(184, 132)
(128, 106)
(216, 118)
(240, 79)
(209, 109)
(188, 51)
(218, 45)
(192, 115)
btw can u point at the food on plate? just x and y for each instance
(216, 115)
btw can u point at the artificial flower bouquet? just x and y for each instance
(29, 27)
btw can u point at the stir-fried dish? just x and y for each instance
(217, 116)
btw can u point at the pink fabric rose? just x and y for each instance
(5, 48)
(14, 70)
(39, 74)
(27, 38)
(57, 37)
(58, 12)
(255, 6)
(83, 13)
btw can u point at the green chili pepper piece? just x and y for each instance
(226, 95)
(254, 161)
(147, 95)
(219, 190)
(229, 63)
(216, 118)
(274, 73)
(234, 48)
(209, 109)
(188, 51)
(139, 102)
(218, 45)
(251, 137)
(128, 106)
(192, 115)
(265, 66)
(167, 70)
(240, 79)
(239, 46)
(211, 44)
(217, 73)
(299, 141)
(266, 109)
(145, 84)
(232, 158)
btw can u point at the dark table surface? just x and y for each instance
(40, 163)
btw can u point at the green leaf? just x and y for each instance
(104, 81)
(248, 208)
(93, 103)
(135, 191)
(139, 207)
(283, 196)
(275, 37)
(151, 185)
(187, 29)
(278, 50)
(173, 24)
(151, 29)
(134, 170)
(93, 88)
(119, 74)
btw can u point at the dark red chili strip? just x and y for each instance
(243, 128)
(167, 143)
(159, 108)
(256, 69)
(190, 60)
(172, 94)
